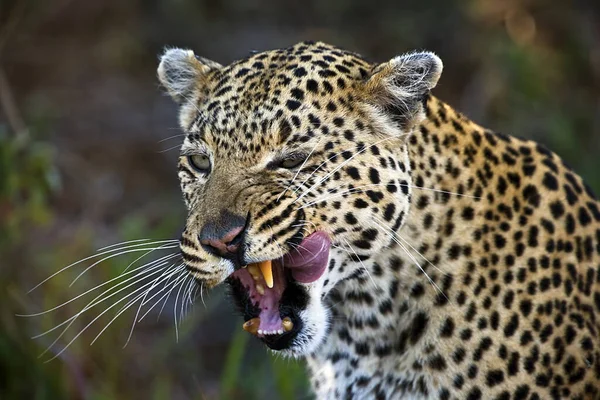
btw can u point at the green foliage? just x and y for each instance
(27, 177)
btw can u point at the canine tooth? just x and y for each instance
(251, 326)
(287, 323)
(266, 267)
(260, 289)
(254, 271)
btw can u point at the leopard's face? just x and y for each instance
(294, 164)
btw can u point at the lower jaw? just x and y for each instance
(294, 299)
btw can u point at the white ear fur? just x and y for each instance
(397, 88)
(180, 72)
(414, 74)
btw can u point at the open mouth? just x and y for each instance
(271, 295)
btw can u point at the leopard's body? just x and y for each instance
(465, 264)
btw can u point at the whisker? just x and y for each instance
(359, 189)
(145, 254)
(165, 287)
(147, 265)
(94, 320)
(442, 191)
(413, 248)
(98, 299)
(295, 190)
(338, 167)
(197, 287)
(121, 311)
(202, 294)
(121, 243)
(317, 169)
(184, 296)
(175, 283)
(413, 258)
(299, 169)
(91, 257)
(161, 278)
(170, 148)
(171, 137)
(165, 246)
(361, 263)
(175, 308)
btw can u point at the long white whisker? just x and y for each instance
(301, 184)
(100, 298)
(191, 295)
(364, 267)
(175, 309)
(338, 167)
(165, 288)
(165, 246)
(147, 265)
(94, 320)
(359, 189)
(299, 169)
(183, 298)
(202, 293)
(317, 169)
(121, 243)
(123, 309)
(194, 294)
(171, 137)
(175, 284)
(156, 282)
(413, 258)
(89, 258)
(412, 247)
(160, 279)
(145, 254)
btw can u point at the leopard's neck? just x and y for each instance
(390, 318)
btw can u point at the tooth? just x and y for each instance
(260, 289)
(251, 325)
(254, 271)
(267, 272)
(287, 323)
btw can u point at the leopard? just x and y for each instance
(365, 226)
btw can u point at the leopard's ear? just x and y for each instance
(396, 89)
(181, 71)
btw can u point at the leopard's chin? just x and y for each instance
(282, 305)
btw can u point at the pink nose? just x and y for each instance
(224, 244)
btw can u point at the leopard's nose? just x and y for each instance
(228, 243)
(224, 236)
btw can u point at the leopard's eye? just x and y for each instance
(200, 162)
(292, 162)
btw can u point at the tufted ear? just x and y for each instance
(180, 71)
(396, 89)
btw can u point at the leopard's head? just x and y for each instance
(294, 163)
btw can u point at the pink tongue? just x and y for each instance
(309, 260)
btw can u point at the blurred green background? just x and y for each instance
(87, 159)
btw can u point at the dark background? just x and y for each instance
(87, 158)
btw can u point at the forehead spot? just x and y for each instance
(312, 86)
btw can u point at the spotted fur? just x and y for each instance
(465, 263)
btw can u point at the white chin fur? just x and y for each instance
(315, 321)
